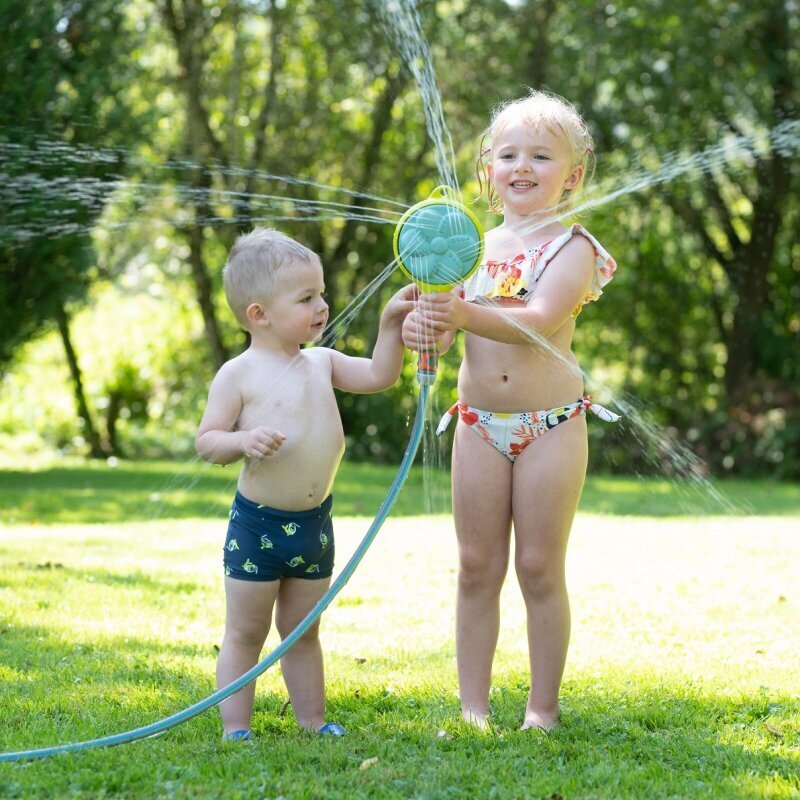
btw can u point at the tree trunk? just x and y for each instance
(750, 271)
(97, 448)
(534, 18)
(204, 288)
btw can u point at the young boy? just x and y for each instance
(274, 406)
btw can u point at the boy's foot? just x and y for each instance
(539, 722)
(236, 736)
(331, 729)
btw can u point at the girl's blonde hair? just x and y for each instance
(559, 117)
(254, 262)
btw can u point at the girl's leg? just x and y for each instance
(248, 613)
(482, 511)
(548, 479)
(302, 665)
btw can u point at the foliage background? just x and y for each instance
(138, 138)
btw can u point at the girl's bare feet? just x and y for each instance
(542, 722)
(475, 718)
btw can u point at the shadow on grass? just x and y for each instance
(89, 492)
(57, 690)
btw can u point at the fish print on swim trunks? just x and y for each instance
(266, 544)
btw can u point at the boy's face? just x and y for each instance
(297, 310)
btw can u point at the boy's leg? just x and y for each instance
(548, 479)
(248, 614)
(302, 665)
(482, 511)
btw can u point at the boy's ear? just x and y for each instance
(256, 315)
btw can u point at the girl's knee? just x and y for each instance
(477, 573)
(539, 576)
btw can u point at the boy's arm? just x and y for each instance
(216, 439)
(365, 375)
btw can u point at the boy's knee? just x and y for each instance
(309, 636)
(246, 633)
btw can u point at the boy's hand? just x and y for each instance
(401, 304)
(261, 442)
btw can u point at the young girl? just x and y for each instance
(520, 446)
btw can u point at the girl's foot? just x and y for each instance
(475, 718)
(542, 722)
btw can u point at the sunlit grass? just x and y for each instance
(681, 683)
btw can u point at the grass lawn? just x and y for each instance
(682, 680)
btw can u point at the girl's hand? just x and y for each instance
(419, 334)
(261, 442)
(442, 311)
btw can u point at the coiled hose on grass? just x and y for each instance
(180, 717)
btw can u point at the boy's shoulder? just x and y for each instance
(318, 356)
(236, 363)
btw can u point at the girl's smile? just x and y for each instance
(531, 168)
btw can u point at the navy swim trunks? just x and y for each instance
(265, 544)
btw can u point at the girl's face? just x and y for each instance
(297, 311)
(531, 167)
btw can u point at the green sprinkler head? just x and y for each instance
(438, 243)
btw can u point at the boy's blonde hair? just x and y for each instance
(254, 262)
(554, 113)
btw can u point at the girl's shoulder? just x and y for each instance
(515, 277)
(604, 264)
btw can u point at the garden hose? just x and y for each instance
(180, 717)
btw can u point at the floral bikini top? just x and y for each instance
(515, 278)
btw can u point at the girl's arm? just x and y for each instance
(562, 287)
(216, 439)
(365, 375)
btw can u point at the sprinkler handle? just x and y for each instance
(427, 364)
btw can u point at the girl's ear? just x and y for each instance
(574, 178)
(257, 315)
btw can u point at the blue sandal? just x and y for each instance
(331, 729)
(236, 736)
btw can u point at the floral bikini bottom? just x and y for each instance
(512, 433)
